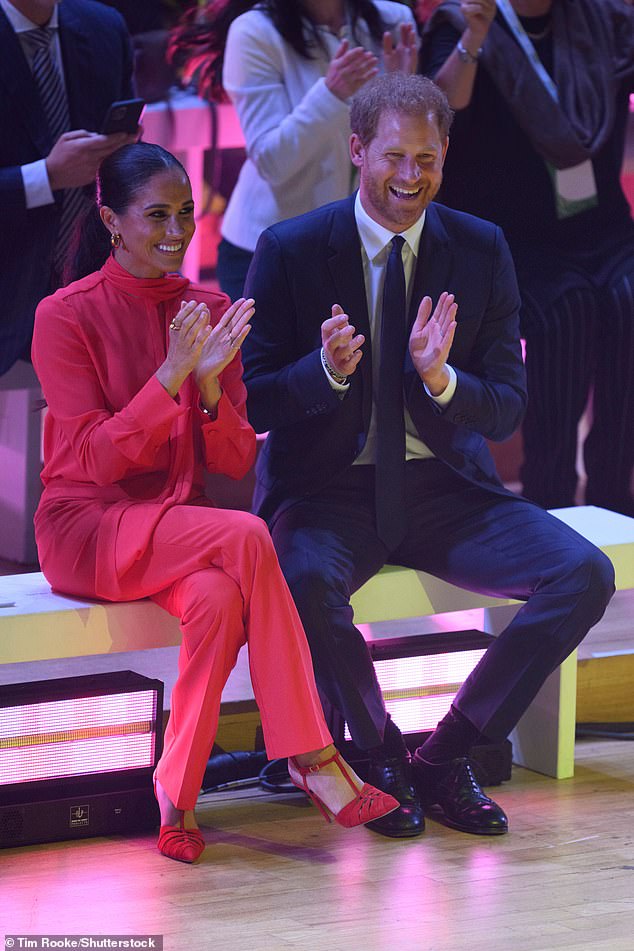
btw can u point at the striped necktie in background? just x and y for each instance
(55, 104)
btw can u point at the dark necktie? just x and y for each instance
(390, 421)
(55, 104)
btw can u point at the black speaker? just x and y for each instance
(77, 756)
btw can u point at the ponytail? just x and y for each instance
(89, 246)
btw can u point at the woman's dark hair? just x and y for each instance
(197, 44)
(119, 179)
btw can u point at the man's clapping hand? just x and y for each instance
(431, 339)
(341, 344)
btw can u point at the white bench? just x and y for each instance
(37, 625)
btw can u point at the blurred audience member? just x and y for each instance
(290, 69)
(541, 93)
(423, 9)
(149, 15)
(139, 17)
(61, 65)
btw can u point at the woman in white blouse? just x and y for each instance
(290, 68)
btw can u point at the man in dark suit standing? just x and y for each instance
(61, 65)
(378, 404)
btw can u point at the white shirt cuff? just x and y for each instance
(445, 397)
(37, 188)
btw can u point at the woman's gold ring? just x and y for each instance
(174, 326)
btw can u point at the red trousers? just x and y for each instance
(217, 571)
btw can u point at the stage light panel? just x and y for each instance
(77, 756)
(78, 736)
(420, 675)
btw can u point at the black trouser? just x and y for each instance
(472, 537)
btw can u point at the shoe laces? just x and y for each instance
(465, 768)
(395, 773)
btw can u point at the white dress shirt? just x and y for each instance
(37, 188)
(375, 249)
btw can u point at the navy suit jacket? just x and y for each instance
(98, 70)
(303, 266)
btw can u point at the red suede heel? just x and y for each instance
(368, 803)
(179, 843)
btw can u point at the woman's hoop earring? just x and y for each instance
(115, 239)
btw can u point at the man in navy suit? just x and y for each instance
(315, 369)
(90, 49)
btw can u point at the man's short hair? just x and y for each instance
(398, 92)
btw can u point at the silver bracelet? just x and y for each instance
(465, 56)
(337, 377)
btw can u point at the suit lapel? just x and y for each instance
(346, 267)
(20, 88)
(346, 271)
(435, 258)
(433, 268)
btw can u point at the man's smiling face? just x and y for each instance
(400, 168)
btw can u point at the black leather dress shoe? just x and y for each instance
(393, 775)
(459, 796)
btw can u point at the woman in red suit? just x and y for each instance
(142, 376)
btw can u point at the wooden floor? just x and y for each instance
(274, 877)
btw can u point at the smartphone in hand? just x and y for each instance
(122, 116)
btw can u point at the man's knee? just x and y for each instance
(313, 586)
(593, 574)
(602, 578)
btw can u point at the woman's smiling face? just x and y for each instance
(156, 227)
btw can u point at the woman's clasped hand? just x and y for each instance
(196, 346)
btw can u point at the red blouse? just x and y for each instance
(115, 442)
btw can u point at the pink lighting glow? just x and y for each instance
(73, 737)
(418, 690)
